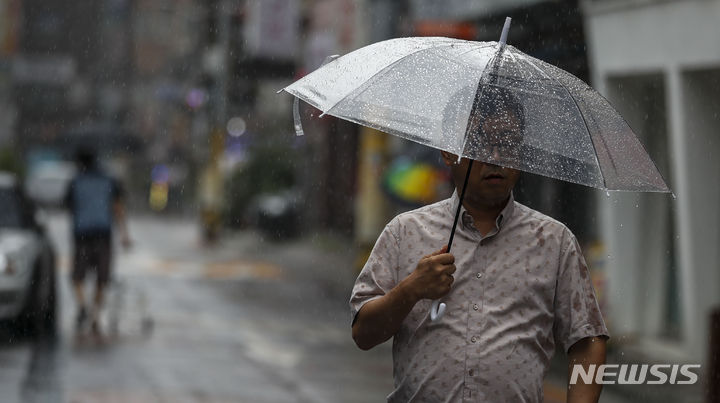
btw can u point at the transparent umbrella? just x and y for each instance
(437, 91)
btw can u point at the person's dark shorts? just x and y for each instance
(92, 253)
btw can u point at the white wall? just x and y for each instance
(701, 120)
(677, 41)
(668, 33)
(639, 258)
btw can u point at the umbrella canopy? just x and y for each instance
(485, 101)
(435, 91)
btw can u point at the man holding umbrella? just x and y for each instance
(515, 286)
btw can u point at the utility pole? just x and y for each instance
(216, 63)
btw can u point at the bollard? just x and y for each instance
(713, 380)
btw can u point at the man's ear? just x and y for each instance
(448, 158)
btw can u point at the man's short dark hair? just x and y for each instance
(491, 100)
(85, 158)
(496, 101)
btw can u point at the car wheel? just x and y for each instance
(39, 318)
(47, 326)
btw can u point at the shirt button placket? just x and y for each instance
(481, 257)
(474, 328)
(481, 291)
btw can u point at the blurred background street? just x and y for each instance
(242, 322)
(247, 238)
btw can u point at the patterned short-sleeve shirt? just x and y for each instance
(518, 291)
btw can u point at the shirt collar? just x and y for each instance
(466, 219)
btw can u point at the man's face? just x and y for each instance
(489, 185)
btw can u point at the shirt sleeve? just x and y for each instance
(577, 314)
(379, 275)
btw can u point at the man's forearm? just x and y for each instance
(590, 350)
(380, 319)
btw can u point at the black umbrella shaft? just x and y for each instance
(457, 213)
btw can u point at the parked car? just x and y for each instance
(277, 214)
(28, 295)
(47, 182)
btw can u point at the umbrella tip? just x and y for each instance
(506, 28)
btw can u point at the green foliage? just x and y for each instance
(10, 161)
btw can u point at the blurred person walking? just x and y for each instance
(96, 202)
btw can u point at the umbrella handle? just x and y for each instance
(437, 310)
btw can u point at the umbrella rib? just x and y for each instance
(476, 99)
(531, 63)
(475, 48)
(582, 115)
(512, 56)
(383, 70)
(406, 136)
(549, 77)
(641, 146)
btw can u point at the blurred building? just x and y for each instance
(332, 27)
(658, 62)
(110, 74)
(272, 43)
(170, 105)
(47, 67)
(9, 31)
(71, 68)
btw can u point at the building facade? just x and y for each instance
(658, 62)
